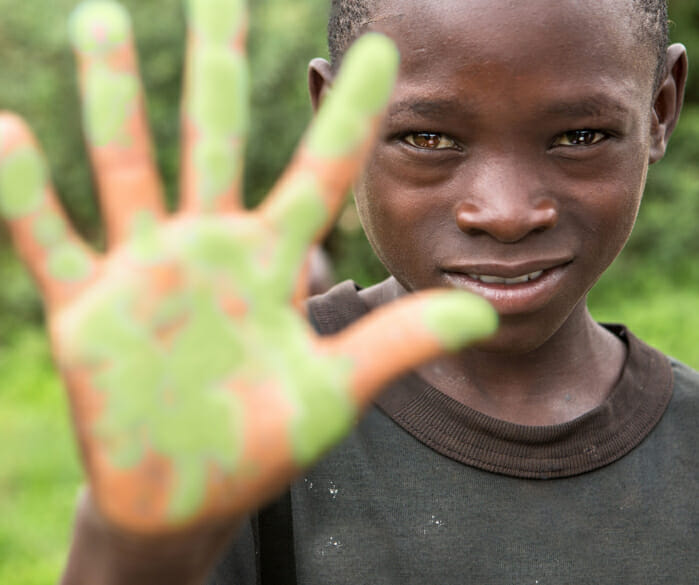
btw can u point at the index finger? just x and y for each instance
(308, 196)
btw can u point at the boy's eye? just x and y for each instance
(579, 138)
(429, 140)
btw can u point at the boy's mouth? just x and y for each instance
(489, 279)
(511, 289)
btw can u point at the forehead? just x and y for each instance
(519, 38)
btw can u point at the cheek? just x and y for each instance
(613, 208)
(602, 198)
(630, 183)
(401, 227)
(630, 195)
(386, 212)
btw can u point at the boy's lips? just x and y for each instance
(511, 289)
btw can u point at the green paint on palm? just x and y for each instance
(22, 183)
(458, 317)
(99, 26)
(165, 364)
(145, 244)
(216, 21)
(326, 412)
(362, 89)
(319, 389)
(172, 400)
(213, 255)
(109, 101)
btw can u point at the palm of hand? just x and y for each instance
(184, 345)
(197, 387)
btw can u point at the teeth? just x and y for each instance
(499, 280)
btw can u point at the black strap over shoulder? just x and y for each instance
(276, 543)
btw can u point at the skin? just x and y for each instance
(218, 101)
(197, 387)
(97, 29)
(114, 117)
(483, 167)
(21, 182)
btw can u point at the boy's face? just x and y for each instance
(516, 147)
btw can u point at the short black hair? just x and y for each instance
(346, 22)
(348, 19)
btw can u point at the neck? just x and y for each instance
(567, 376)
(570, 374)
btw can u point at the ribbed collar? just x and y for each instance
(593, 440)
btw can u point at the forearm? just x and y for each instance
(100, 555)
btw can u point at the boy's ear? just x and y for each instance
(668, 101)
(320, 78)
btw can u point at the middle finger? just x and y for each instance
(215, 106)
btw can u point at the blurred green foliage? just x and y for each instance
(37, 80)
(39, 468)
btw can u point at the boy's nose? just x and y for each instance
(506, 205)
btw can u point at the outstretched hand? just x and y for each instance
(197, 388)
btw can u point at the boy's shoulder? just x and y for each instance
(346, 302)
(686, 386)
(335, 309)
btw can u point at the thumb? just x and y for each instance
(414, 329)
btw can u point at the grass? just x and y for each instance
(39, 469)
(668, 321)
(658, 303)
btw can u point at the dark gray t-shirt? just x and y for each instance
(428, 491)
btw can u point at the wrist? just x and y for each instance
(101, 554)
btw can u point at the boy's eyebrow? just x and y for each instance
(427, 107)
(592, 105)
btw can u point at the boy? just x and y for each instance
(511, 163)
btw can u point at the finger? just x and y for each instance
(57, 258)
(114, 116)
(315, 277)
(215, 106)
(307, 198)
(337, 142)
(401, 335)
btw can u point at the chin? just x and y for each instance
(517, 336)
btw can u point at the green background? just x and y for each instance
(652, 287)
